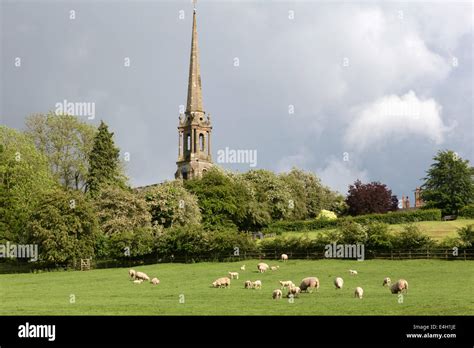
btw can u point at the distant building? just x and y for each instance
(418, 201)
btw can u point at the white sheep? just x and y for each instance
(221, 282)
(142, 276)
(309, 283)
(257, 284)
(358, 292)
(155, 281)
(248, 284)
(295, 291)
(274, 268)
(262, 267)
(277, 294)
(399, 286)
(338, 282)
(138, 281)
(386, 281)
(284, 257)
(353, 272)
(132, 273)
(242, 268)
(286, 284)
(233, 275)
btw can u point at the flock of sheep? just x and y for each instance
(308, 284)
(139, 277)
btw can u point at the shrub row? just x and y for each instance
(467, 211)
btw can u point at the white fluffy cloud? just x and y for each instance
(338, 175)
(393, 118)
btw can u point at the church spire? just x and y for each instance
(194, 84)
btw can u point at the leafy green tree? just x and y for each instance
(449, 184)
(352, 233)
(411, 237)
(131, 243)
(170, 203)
(466, 235)
(66, 142)
(64, 226)
(104, 163)
(378, 236)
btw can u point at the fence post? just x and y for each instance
(391, 254)
(464, 254)
(409, 254)
(428, 253)
(446, 254)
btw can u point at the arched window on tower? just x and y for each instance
(201, 142)
(188, 142)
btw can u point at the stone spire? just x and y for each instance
(194, 84)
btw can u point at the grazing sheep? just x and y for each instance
(142, 276)
(399, 286)
(262, 267)
(248, 284)
(286, 284)
(353, 272)
(221, 282)
(358, 292)
(242, 268)
(338, 282)
(233, 275)
(138, 281)
(284, 257)
(386, 281)
(295, 291)
(257, 284)
(132, 273)
(277, 294)
(309, 283)
(274, 268)
(155, 281)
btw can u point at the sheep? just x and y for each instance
(358, 292)
(295, 291)
(221, 282)
(399, 286)
(257, 284)
(155, 281)
(142, 276)
(138, 281)
(274, 268)
(262, 267)
(233, 275)
(248, 284)
(353, 272)
(242, 268)
(284, 257)
(277, 294)
(309, 283)
(132, 273)
(338, 282)
(386, 281)
(286, 284)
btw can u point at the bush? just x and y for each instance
(131, 244)
(378, 236)
(467, 211)
(295, 244)
(352, 233)
(466, 235)
(411, 237)
(326, 215)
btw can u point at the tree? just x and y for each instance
(370, 198)
(64, 226)
(169, 204)
(449, 184)
(104, 162)
(66, 142)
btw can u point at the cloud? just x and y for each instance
(391, 118)
(338, 175)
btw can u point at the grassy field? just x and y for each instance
(435, 229)
(435, 288)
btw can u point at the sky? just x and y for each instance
(348, 90)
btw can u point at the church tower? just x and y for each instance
(194, 129)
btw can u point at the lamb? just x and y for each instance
(257, 284)
(284, 257)
(338, 282)
(353, 272)
(248, 284)
(286, 284)
(386, 281)
(399, 286)
(221, 282)
(262, 267)
(295, 291)
(274, 268)
(132, 273)
(233, 275)
(138, 281)
(358, 292)
(242, 268)
(142, 276)
(277, 294)
(309, 283)
(155, 281)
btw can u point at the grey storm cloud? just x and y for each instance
(311, 87)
